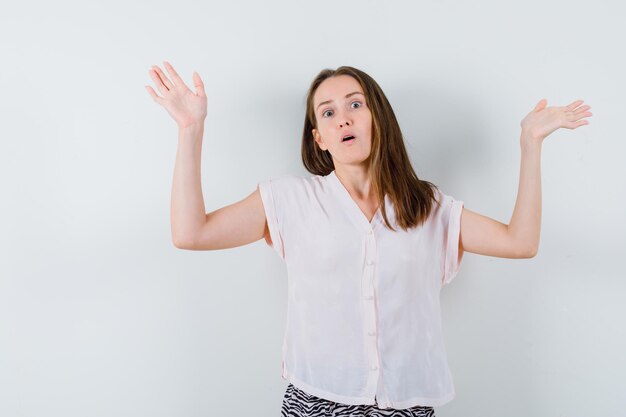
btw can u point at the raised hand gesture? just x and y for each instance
(186, 107)
(542, 120)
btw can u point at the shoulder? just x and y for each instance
(444, 199)
(292, 185)
(445, 206)
(287, 181)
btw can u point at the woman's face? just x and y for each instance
(340, 109)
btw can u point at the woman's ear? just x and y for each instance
(317, 138)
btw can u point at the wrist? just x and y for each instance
(529, 140)
(196, 127)
(192, 132)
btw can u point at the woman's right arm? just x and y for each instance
(234, 225)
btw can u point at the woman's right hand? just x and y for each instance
(186, 107)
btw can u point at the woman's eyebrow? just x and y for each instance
(347, 95)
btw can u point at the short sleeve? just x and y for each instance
(272, 214)
(451, 217)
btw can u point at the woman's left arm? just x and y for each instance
(520, 238)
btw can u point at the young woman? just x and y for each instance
(368, 245)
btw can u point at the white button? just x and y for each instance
(371, 332)
(369, 297)
(374, 367)
(369, 232)
(370, 262)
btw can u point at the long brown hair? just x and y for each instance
(390, 169)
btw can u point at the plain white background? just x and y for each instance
(100, 315)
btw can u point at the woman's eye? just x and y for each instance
(358, 102)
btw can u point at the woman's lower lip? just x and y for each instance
(349, 141)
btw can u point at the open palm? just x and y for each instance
(186, 107)
(542, 120)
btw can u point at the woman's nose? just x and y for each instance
(345, 118)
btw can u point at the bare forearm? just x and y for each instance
(187, 206)
(525, 224)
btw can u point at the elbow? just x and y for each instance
(182, 243)
(532, 252)
(524, 252)
(178, 244)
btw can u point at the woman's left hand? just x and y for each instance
(542, 121)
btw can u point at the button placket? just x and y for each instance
(367, 285)
(368, 293)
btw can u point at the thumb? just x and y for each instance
(541, 105)
(197, 82)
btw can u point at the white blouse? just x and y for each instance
(363, 311)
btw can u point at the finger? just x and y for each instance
(580, 118)
(197, 82)
(159, 83)
(172, 72)
(574, 104)
(581, 109)
(164, 78)
(542, 103)
(153, 93)
(582, 112)
(581, 123)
